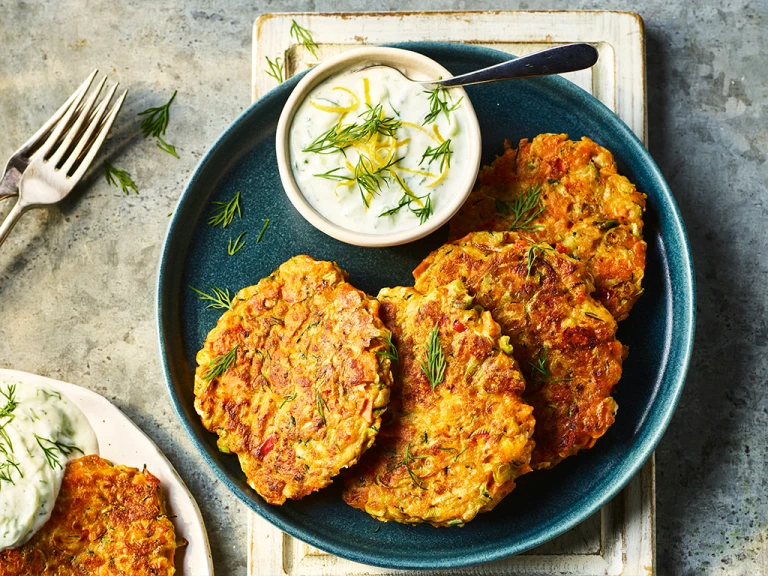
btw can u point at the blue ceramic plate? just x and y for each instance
(659, 331)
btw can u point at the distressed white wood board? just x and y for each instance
(619, 539)
(122, 442)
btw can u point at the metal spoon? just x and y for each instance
(558, 60)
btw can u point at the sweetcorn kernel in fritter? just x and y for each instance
(295, 377)
(457, 432)
(108, 521)
(568, 194)
(564, 340)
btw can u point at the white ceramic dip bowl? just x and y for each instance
(345, 195)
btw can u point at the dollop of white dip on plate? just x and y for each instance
(376, 153)
(40, 431)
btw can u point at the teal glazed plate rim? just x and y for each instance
(545, 504)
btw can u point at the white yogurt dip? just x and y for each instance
(375, 153)
(40, 431)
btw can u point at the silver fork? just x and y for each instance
(55, 159)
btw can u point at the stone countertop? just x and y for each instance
(77, 280)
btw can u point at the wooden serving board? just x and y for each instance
(619, 539)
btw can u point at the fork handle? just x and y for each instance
(13, 216)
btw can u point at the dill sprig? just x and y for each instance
(53, 447)
(220, 364)
(263, 230)
(321, 406)
(408, 458)
(535, 252)
(423, 212)
(233, 247)
(339, 137)
(442, 152)
(225, 212)
(219, 299)
(539, 370)
(331, 175)
(165, 147)
(6, 417)
(276, 69)
(6, 471)
(524, 209)
(438, 102)
(390, 350)
(287, 398)
(433, 365)
(304, 37)
(156, 122)
(117, 177)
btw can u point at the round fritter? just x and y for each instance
(293, 378)
(108, 520)
(568, 194)
(563, 339)
(456, 437)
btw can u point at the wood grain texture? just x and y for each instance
(619, 539)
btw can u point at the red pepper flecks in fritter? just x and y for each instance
(108, 521)
(294, 378)
(563, 339)
(568, 194)
(457, 432)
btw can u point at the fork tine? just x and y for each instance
(99, 138)
(82, 113)
(61, 125)
(53, 120)
(86, 138)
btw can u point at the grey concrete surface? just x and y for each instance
(77, 280)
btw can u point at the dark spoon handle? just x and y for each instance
(558, 60)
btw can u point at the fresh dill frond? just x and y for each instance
(156, 122)
(276, 69)
(10, 401)
(390, 350)
(220, 364)
(423, 212)
(442, 153)
(534, 252)
(233, 247)
(263, 230)
(304, 37)
(524, 209)
(321, 406)
(219, 299)
(287, 398)
(407, 460)
(225, 212)
(52, 447)
(539, 369)
(403, 202)
(433, 365)
(331, 175)
(339, 137)
(367, 181)
(117, 177)
(438, 102)
(165, 147)
(6, 471)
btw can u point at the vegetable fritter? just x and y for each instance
(563, 339)
(294, 378)
(568, 194)
(457, 433)
(108, 521)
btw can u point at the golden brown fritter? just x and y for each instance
(568, 194)
(108, 521)
(563, 339)
(450, 451)
(307, 384)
